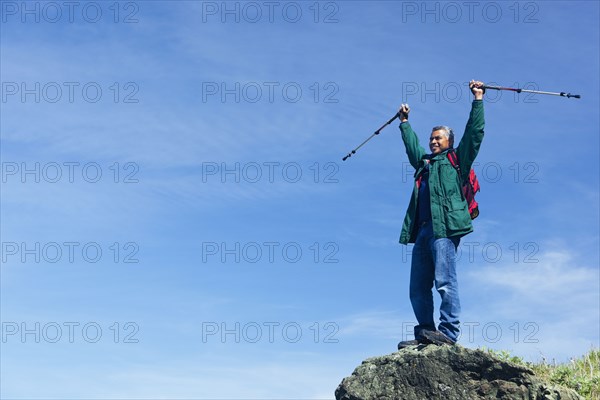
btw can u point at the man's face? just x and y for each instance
(438, 142)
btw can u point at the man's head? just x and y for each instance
(442, 138)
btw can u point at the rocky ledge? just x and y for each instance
(446, 372)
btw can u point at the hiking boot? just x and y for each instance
(436, 337)
(408, 343)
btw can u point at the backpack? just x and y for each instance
(469, 187)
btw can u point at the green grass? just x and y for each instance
(581, 374)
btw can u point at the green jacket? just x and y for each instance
(449, 210)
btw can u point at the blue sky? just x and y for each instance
(177, 169)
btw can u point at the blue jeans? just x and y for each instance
(434, 261)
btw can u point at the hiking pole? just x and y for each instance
(371, 137)
(563, 94)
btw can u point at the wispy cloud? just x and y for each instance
(557, 275)
(548, 308)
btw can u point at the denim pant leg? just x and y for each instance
(446, 283)
(422, 274)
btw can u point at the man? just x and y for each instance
(436, 219)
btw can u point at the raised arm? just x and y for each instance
(414, 150)
(469, 145)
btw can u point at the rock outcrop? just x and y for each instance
(445, 372)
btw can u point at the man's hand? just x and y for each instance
(403, 112)
(477, 89)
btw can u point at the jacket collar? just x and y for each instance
(437, 157)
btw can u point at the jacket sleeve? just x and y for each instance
(414, 150)
(468, 147)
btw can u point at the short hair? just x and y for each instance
(448, 132)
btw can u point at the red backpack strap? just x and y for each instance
(453, 158)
